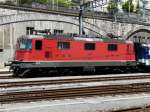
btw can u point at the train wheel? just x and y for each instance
(15, 72)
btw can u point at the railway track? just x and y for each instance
(5, 72)
(75, 92)
(6, 77)
(67, 81)
(135, 109)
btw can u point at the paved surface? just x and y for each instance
(1, 66)
(3, 69)
(89, 104)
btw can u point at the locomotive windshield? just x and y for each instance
(24, 44)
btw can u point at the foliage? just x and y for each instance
(128, 6)
(65, 3)
(137, 9)
(25, 1)
(9, 2)
(148, 13)
(41, 1)
(112, 7)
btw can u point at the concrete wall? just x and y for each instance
(5, 56)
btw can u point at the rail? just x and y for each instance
(75, 92)
(67, 81)
(134, 109)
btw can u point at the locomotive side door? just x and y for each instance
(38, 50)
(47, 48)
(129, 52)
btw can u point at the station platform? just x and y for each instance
(3, 69)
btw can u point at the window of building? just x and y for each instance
(112, 47)
(38, 44)
(63, 45)
(148, 39)
(1, 44)
(89, 46)
(135, 38)
(56, 31)
(29, 30)
(1, 50)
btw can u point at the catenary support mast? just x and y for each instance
(88, 5)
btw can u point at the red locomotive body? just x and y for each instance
(72, 52)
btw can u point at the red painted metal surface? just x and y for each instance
(51, 52)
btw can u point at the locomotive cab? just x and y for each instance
(23, 49)
(28, 51)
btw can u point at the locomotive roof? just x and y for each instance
(89, 38)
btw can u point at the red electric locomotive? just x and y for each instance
(66, 52)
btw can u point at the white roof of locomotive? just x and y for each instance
(32, 36)
(90, 39)
(35, 36)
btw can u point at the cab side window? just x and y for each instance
(38, 45)
(112, 47)
(63, 45)
(1, 50)
(89, 46)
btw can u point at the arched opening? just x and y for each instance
(140, 36)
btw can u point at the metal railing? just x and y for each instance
(74, 11)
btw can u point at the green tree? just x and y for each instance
(41, 1)
(112, 7)
(137, 9)
(65, 3)
(9, 2)
(148, 13)
(24, 1)
(128, 6)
